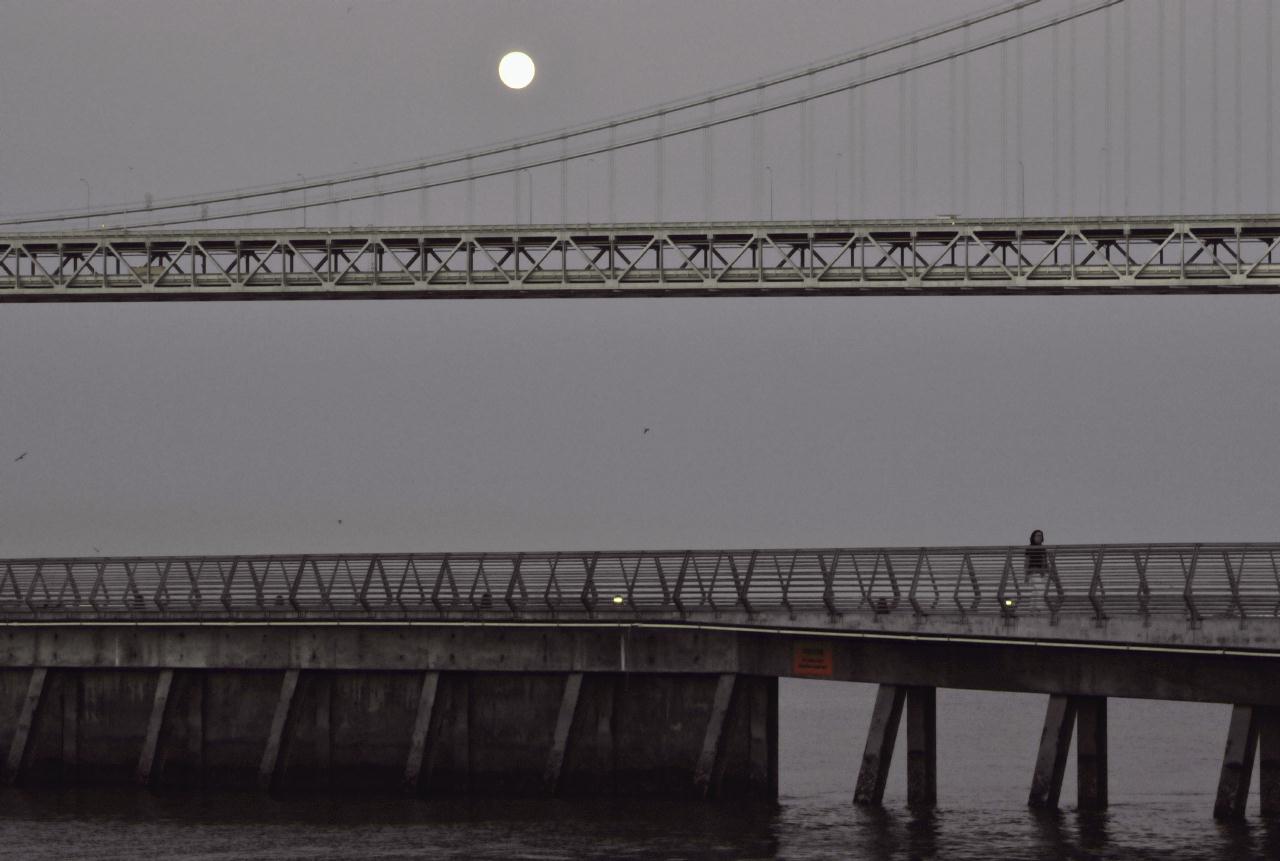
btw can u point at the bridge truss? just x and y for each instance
(1112, 256)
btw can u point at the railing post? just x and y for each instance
(828, 588)
(915, 581)
(588, 596)
(1188, 594)
(1097, 595)
(675, 593)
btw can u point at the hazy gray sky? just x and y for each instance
(519, 425)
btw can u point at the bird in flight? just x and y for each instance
(19, 457)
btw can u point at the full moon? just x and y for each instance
(516, 70)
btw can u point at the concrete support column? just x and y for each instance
(1091, 752)
(762, 714)
(421, 729)
(1055, 744)
(71, 705)
(1061, 718)
(271, 756)
(709, 758)
(922, 747)
(1268, 720)
(881, 735)
(19, 748)
(1237, 763)
(144, 775)
(564, 724)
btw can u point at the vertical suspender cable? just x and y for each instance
(1126, 166)
(757, 159)
(1071, 119)
(1237, 10)
(807, 155)
(1160, 127)
(708, 170)
(1017, 118)
(1182, 108)
(659, 169)
(471, 194)
(913, 84)
(613, 176)
(862, 142)
(1104, 180)
(564, 180)
(902, 146)
(964, 120)
(516, 191)
(1004, 130)
(1269, 205)
(851, 147)
(1054, 86)
(1213, 108)
(953, 141)
(424, 199)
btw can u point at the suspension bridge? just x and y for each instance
(233, 669)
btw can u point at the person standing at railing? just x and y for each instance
(1036, 557)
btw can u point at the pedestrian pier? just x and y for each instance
(631, 673)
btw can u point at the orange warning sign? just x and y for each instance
(812, 659)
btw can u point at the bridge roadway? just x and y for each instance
(941, 256)
(542, 665)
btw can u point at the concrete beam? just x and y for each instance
(1055, 745)
(1237, 763)
(564, 724)
(159, 706)
(922, 747)
(988, 665)
(279, 727)
(421, 728)
(19, 747)
(1091, 752)
(707, 760)
(881, 736)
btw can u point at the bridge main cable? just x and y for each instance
(560, 136)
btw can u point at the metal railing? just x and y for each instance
(1192, 581)
(943, 256)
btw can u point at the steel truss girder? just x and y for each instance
(1194, 582)
(936, 257)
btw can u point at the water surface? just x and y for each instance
(1164, 763)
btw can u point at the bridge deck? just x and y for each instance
(933, 257)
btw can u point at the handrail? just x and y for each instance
(1101, 582)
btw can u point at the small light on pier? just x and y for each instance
(617, 599)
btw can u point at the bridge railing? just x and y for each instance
(1192, 581)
